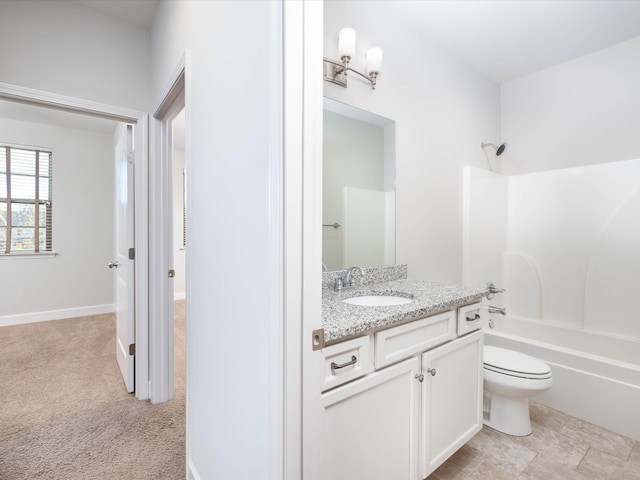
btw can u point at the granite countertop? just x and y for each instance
(341, 320)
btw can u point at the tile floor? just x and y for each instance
(561, 447)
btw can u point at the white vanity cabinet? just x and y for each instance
(419, 401)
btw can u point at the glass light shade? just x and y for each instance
(374, 60)
(347, 42)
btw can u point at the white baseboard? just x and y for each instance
(179, 296)
(45, 316)
(192, 473)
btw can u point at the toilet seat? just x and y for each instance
(515, 364)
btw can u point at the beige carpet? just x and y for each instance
(64, 413)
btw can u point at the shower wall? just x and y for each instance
(564, 243)
(582, 112)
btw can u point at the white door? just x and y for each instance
(123, 264)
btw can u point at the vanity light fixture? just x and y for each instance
(336, 72)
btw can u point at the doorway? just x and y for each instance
(49, 103)
(168, 234)
(74, 112)
(179, 217)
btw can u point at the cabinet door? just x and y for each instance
(371, 426)
(451, 399)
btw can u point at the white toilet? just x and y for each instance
(510, 378)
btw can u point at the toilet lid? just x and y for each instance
(518, 364)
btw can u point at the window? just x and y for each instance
(25, 200)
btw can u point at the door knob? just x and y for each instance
(113, 264)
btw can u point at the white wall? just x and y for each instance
(443, 111)
(83, 235)
(66, 48)
(229, 96)
(582, 112)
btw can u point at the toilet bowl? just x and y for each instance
(510, 378)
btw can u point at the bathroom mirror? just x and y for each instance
(358, 193)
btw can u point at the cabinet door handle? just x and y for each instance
(474, 318)
(336, 366)
(432, 371)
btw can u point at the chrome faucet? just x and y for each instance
(348, 277)
(346, 280)
(501, 311)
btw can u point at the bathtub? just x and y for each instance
(596, 376)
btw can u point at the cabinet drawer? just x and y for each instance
(345, 361)
(401, 342)
(471, 318)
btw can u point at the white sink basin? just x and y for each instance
(378, 300)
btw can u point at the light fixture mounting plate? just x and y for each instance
(335, 73)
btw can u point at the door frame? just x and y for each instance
(303, 92)
(140, 120)
(176, 96)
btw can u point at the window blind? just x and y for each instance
(26, 214)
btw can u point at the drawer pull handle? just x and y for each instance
(432, 371)
(336, 366)
(474, 318)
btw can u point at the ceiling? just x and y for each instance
(501, 39)
(137, 12)
(505, 40)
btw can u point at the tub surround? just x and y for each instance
(569, 263)
(341, 320)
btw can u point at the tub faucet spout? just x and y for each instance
(501, 311)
